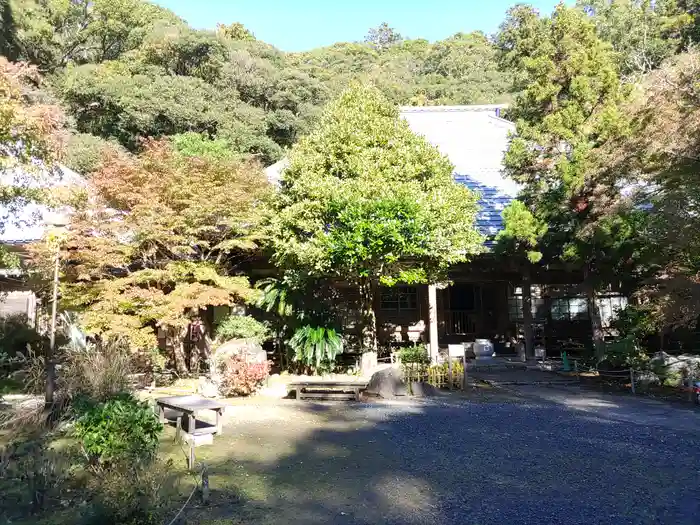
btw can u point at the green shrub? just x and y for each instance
(417, 354)
(316, 347)
(242, 327)
(635, 321)
(624, 353)
(32, 476)
(120, 429)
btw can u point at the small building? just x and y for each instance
(484, 297)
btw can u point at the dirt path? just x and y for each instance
(530, 458)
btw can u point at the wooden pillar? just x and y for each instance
(528, 331)
(433, 322)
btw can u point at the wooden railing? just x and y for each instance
(460, 322)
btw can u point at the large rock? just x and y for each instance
(240, 347)
(671, 369)
(421, 389)
(387, 383)
(207, 388)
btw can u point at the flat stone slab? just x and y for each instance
(190, 403)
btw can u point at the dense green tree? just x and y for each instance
(367, 201)
(55, 33)
(179, 50)
(110, 101)
(567, 107)
(643, 33)
(461, 69)
(84, 152)
(234, 31)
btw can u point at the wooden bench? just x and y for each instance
(320, 389)
(188, 407)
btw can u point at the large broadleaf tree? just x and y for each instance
(366, 201)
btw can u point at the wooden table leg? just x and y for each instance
(298, 393)
(219, 421)
(161, 413)
(191, 423)
(178, 427)
(190, 460)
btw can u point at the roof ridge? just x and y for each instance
(445, 109)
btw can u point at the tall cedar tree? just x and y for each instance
(517, 244)
(567, 106)
(367, 201)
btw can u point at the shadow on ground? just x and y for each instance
(457, 462)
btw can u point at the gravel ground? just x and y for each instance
(543, 456)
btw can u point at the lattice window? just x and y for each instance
(515, 304)
(399, 298)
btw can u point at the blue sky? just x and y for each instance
(297, 25)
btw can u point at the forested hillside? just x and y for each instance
(603, 77)
(127, 69)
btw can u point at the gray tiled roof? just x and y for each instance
(474, 138)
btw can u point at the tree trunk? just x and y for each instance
(177, 343)
(527, 315)
(596, 322)
(433, 323)
(369, 319)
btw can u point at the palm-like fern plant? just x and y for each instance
(277, 297)
(316, 346)
(307, 323)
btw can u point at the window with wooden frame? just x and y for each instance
(515, 304)
(399, 298)
(569, 309)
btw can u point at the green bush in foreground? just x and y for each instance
(120, 429)
(417, 354)
(242, 327)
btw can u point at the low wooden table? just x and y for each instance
(189, 406)
(321, 389)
